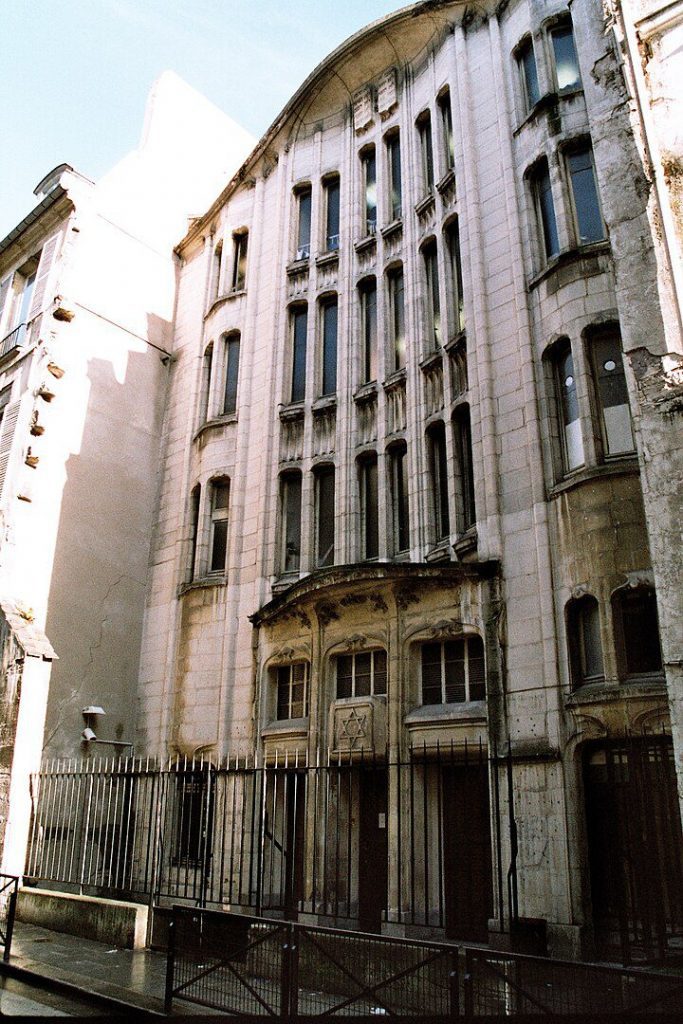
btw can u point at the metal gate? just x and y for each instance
(635, 849)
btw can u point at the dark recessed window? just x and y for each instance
(636, 632)
(232, 367)
(361, 675)
(299, 328)
(329, 352)
(585, 645)
(290, 505)
(453, 671)
(292, 690)
(324, 515)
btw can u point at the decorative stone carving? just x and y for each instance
(387, 98)
(326, 612)
(362, 109)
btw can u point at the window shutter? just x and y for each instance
(7, 432)
(47, 259)
(4, 290)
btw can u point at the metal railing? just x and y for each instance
(359, 840)
(248, 965)
(8, 905)
(23, 334)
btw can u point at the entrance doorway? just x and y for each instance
(284, 834)
(372, 848)
(634, 846)
(467, 869)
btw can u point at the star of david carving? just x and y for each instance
(354, 727)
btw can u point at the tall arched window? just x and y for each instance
(205, 384)
(583, 637)
(232, 366)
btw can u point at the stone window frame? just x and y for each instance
(290, 561)
(591, 335)
(202, 517)
(399, 497)
(240, 250)
(455, 288)
(468, 637)
(572, 147)
(446, 147)
(432, 305)
(331, 218)
(560, 21)
(321, 471)
(396, 342)
(369, 345)
(283, 679)
(353, 655)
(368, 224)
(546, 225)
(463, 463)
(440, 510)
(302, 244)
(526, 99)
(326, 301)
(425, 138)
(368, 510)
(626, 638)
(296, 380)
(232, 344)
(395, 197)
(218, 525)
(582, 617)
(553, 357)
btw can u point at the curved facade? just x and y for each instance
(401, 524)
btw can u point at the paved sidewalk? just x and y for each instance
(133, 978)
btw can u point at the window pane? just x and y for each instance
(344, 676)
(219, 545)
(363, 675)
(380, 669)
(299, 327)
(440, 481)
(329, 348)
(232, 346)
(475, 668)
(370, 178)
(640, 630)
(291, 500)
(399, 485)
(454, 670)
(394, 153)
(397, 316)
(547, 212)
(332, 232)
(283, 692)
(369, 314)
(447, 131)
(425, 129)
(431, 674)
(456, 276)
(304, 236)
(240, 261)
(591, 647)
(369, 507)
(589, 221)
(569, 407)
(207, 366)
(527, 62)
(194, 530)
(566, 63)
(613, 395)
(325, 517)
(433, 302)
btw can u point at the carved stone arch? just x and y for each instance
(655, 721)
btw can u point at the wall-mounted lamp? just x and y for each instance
(90, 715)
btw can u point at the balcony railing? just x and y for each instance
(23, 334)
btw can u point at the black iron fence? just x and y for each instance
(8, 905)
(358, 841)
(248, 965)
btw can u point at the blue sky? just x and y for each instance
(74, 74)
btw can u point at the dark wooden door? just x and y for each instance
(372, 848)
(468, 878)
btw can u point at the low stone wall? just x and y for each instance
(116, 922)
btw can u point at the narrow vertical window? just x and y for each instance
(433, 304)
(464, 466)
(612, 394)
(636, 632)
(369, 510)
(446, 117)
(217, 271)
(588, 219)
(195, 499)
(567, 74)
(303, 238)
(526, 61)
(290, 503)
(545, 207)
(324, 515)
(393, 145)
(232, 366)
(299, 328)
(439, 480)
(568, 402)
(239, 265)
(455, 272)
(585, 646)
(332, 214)
(292, 691)
(220, 497)
(205, 386)
(368, 312)
(453, 671)
(369, 190)
(424, 127)
(399, 498)
(329, 352)
(397, 317)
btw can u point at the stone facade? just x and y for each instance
(435, 446)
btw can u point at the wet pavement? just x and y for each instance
(125, 979)
(18, 999)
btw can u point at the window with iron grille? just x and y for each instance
(453, 671)
(361, 675)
